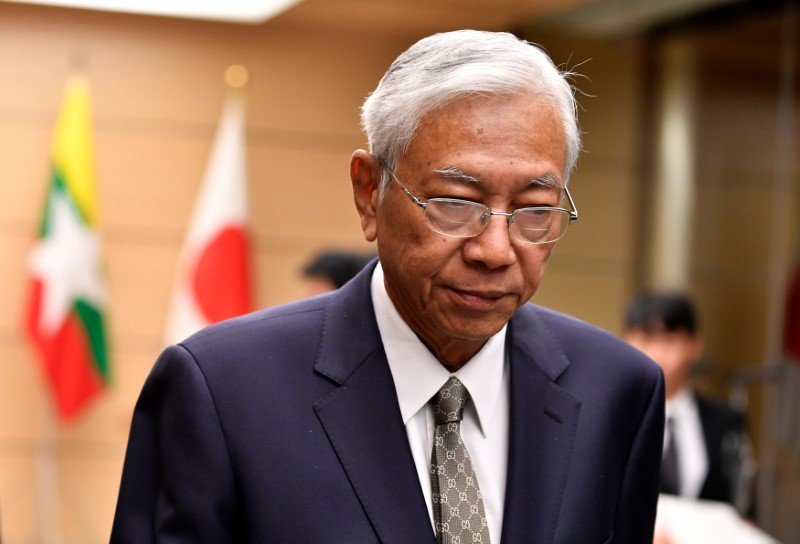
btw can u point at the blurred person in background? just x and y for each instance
(329, 270)
(347, 417)
(707, 452)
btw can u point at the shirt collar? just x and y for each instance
(418, 375)
(680, 404)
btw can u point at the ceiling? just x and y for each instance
(427, 16)
(423, 16)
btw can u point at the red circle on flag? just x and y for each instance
(221, 278)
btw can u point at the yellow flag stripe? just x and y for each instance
(73, 149)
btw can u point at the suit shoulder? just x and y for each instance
(584, 343)
(561, 322)
(567, 329)
(274, 326)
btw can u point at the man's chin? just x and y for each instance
(469, 331)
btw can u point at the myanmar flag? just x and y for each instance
(65, 317)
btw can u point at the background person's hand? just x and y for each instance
(662, 537)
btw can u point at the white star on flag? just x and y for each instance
(68, 262)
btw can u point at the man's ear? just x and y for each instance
(365, 176)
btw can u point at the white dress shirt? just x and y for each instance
(418, 375)
(691, 445)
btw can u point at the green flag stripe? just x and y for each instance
(57, 183)
(95, 327)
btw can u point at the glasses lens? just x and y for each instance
(537, 226)
(456, 217)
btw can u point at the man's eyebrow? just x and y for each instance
(455, 173)
(547, 180)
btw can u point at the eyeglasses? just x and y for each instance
(466, 219)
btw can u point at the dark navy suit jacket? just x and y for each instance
(283, 426)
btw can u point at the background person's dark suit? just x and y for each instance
(723, 433)
(283, 426)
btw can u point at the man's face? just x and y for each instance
(675, 352)
(457, 292)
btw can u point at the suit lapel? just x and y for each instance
(363, 422)
(362, 418)
(544, 419)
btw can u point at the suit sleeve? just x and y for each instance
(635, 518)
(177, 481)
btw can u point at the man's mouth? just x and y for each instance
(478, 298)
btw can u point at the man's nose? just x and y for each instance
(493, 246)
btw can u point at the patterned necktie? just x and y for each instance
(457, 503)
(670, 475)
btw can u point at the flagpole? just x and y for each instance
(47, 478)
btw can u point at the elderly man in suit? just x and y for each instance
(427, 400)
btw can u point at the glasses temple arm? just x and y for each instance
(573, 215)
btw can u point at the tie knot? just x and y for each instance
(448, 403)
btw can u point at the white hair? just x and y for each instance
(442, 68)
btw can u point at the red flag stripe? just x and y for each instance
(66, 358)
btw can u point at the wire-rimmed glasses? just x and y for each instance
(466, 219)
